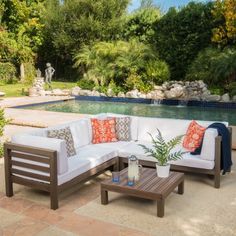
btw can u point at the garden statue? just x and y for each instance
(48, 74)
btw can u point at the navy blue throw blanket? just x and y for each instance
(226, 160)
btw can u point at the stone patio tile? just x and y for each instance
(89, 227)
(8, 218)
(132, 232)
(15, 204)
(54, 231)
(24, 227)
(43, 213)
(2, 195)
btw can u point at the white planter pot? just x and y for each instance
(163, 171)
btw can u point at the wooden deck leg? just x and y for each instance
(53, 182)
(8, 177)
(217, 162)
(54, 199)
(104, 197)
(217, 180)
(160, 207)
(181, 188)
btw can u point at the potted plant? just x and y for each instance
(161, 151)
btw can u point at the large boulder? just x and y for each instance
(84, 92)
(110, 93)
(142, 95)
(176, 92)
(75, 91)
(132, 94)
(121, 95)
(157, 94)
(234, 98)
(212, 98)
(225, 98)
(95, 93)
(59, 92)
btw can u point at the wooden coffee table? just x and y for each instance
(149, 187)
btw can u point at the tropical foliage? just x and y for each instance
(181, 34)
(101, 41)
(128, 64)
(214, 66)
(75, 23)
(162, 150)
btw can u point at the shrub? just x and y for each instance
(3, 122)
(214, 66)
(86, 84)
(181, 34)
(7, 72)
(30, 72)
(116, 61)
(232, 89)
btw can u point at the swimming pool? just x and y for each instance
(137, 109)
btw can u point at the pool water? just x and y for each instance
(137, 109)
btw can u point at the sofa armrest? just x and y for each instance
(47, 143)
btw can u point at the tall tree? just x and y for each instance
(181, 34)
(23, 21)
(139, 24)
(75, 23)
(225, 13)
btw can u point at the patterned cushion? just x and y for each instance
(194, 135)
(104, 131)
(123, 128)
(64, 134)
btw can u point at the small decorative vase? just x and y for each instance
(163, 171)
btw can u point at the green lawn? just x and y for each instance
(15, 90)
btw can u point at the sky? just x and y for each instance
(164, 4)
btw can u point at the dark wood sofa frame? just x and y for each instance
(45, 161)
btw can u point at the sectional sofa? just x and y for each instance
(34, 160)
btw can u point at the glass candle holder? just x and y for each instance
(116, 177)
(131, 181)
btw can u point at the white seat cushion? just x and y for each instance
(113, 145)
(187, 160)
(87, 158)
(80, 130)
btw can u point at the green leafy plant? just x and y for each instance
(3, 122)
(7, 72)
(85, 83)
(120, 61)
(214, 66)
(232, 89)
(161, 150)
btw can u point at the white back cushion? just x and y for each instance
(80, 130)
(168, 127)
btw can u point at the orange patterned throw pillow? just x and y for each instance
(194, 135)
(104, 131)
